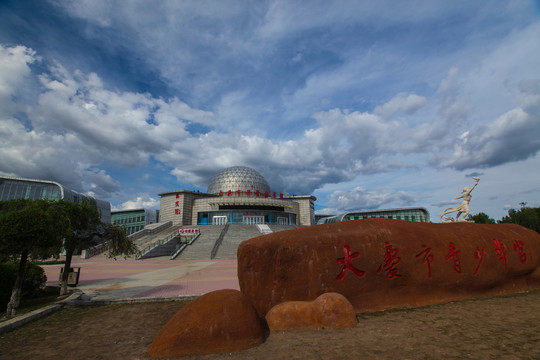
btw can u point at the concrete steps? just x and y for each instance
(201, 249)
(147, 240)
(233, 238)
(239, 233)
(276, 228)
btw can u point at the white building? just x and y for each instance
(236, 195)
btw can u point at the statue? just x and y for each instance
(462, 208)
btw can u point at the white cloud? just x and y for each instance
(513, 136)
(359, 198)
(309, 95)
(409, 104)
(89, 124)
(141, 201)
(14, 69)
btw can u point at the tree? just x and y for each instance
(526, 216)
(481, 218)
(28, 228)
(83, 229)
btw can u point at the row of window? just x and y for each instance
(419, 215)
(382, 216)
(15, 189)
(129, 220)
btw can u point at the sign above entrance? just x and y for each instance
(188, 231)
(256, 193)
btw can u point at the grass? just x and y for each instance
(44, 298)
(367, 315)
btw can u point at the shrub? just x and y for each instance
(34, 280)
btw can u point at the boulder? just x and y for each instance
(217, 322)
(330, 310)
(382, 263)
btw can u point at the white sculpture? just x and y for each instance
(462, 208)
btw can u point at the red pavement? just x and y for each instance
(215, 275)
(221, 275)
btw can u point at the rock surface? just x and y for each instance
(381, 263)
(330, 310)
(217, 322)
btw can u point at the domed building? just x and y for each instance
(236, 195)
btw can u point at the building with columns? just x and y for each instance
(236, 195)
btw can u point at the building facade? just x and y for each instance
(134, 220)
(418, 214)
(236, 195)
(18, 188)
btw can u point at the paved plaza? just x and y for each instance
(107, 279)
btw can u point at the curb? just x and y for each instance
(90, 302)
(75, 300)
(18, 321)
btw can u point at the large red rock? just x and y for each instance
(330, 310)
(217, 322)
(381, 263)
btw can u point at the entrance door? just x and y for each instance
(252, 220)
(282, 221)
(219, 220)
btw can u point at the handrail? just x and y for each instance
(146, 231)
(218, 242)
(179, 250)
(183, 246)
(194, 238)
(155, 244)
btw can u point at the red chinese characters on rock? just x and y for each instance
(500, 251)
(427, 258)
(479, 255)
(391, 259)
(454, 254)
(389, 266)
(518, 246)
(347, 265)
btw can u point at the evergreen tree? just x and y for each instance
(28, 229)
(526, 216)
(84, 229)
(481, 218)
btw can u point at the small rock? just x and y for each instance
(218, 322)
(330, 310)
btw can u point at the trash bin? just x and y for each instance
(73, 276)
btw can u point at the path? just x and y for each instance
(105, 279)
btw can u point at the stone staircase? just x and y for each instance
(276, 228)
(201, 249)
(233, 238)
(149, 239)
(207, 242)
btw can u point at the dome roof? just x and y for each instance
(238, 178)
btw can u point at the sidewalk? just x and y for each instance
(107, 279)
(104, 281)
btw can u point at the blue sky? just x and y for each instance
(363, 104)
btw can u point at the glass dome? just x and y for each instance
(238, 178)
